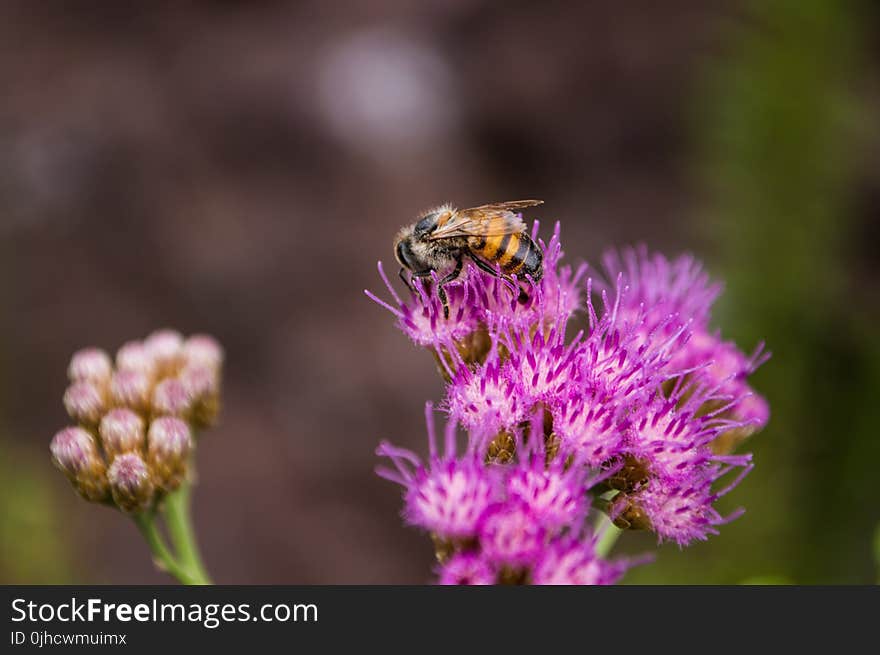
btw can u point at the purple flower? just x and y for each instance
(449, 495)
(635, 413)
(571, 561)
(589, 428)
(672, 440)
(485, 398)
(450, 498)
(467, 569)
(422, 319)
(681, 510)
(553, 495)
(623, 360)
(753, 410)
(545, 368)
(511, 535)
(670, 295)
(661, 287)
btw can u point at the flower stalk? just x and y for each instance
(178, 518)
(185, 564)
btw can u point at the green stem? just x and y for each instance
(183, 536)
(162, 556)
(609, 534)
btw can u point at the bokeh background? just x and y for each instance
(238, 168)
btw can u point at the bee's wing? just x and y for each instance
(495, 219)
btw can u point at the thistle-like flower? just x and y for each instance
(467, 569)
(492, 523)
(635, 414)
(573, 561)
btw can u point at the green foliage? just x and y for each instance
(877, 550)
(780, 126)
(31, 549)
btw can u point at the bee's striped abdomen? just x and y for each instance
(516, 254)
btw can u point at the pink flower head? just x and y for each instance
(571, 561)
(553, 495)
(662, 287)
(544, 368)
(485, 398)
(511, 535)
(422, 318)
(467, 569)
(589, 427)
(447, 496)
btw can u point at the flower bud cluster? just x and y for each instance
(136, 418)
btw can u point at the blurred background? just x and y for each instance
(238, 168)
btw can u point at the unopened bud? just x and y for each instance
(75, 453)
(130, 389)
(171, 397)
(203, 386)
(203, 351)
(130, 483)
(631, 475)
(90, 365)
(122, 431)
(627, 515)
(85, 403)
(73, 450)
(166, 347)
(134, 356)
(169, 445)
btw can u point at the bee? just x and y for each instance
(442, 238)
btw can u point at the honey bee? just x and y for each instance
(489, 234)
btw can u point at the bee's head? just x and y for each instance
(404, 252)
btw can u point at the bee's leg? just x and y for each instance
(406, 279)
(483, 266)
(441, 292)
